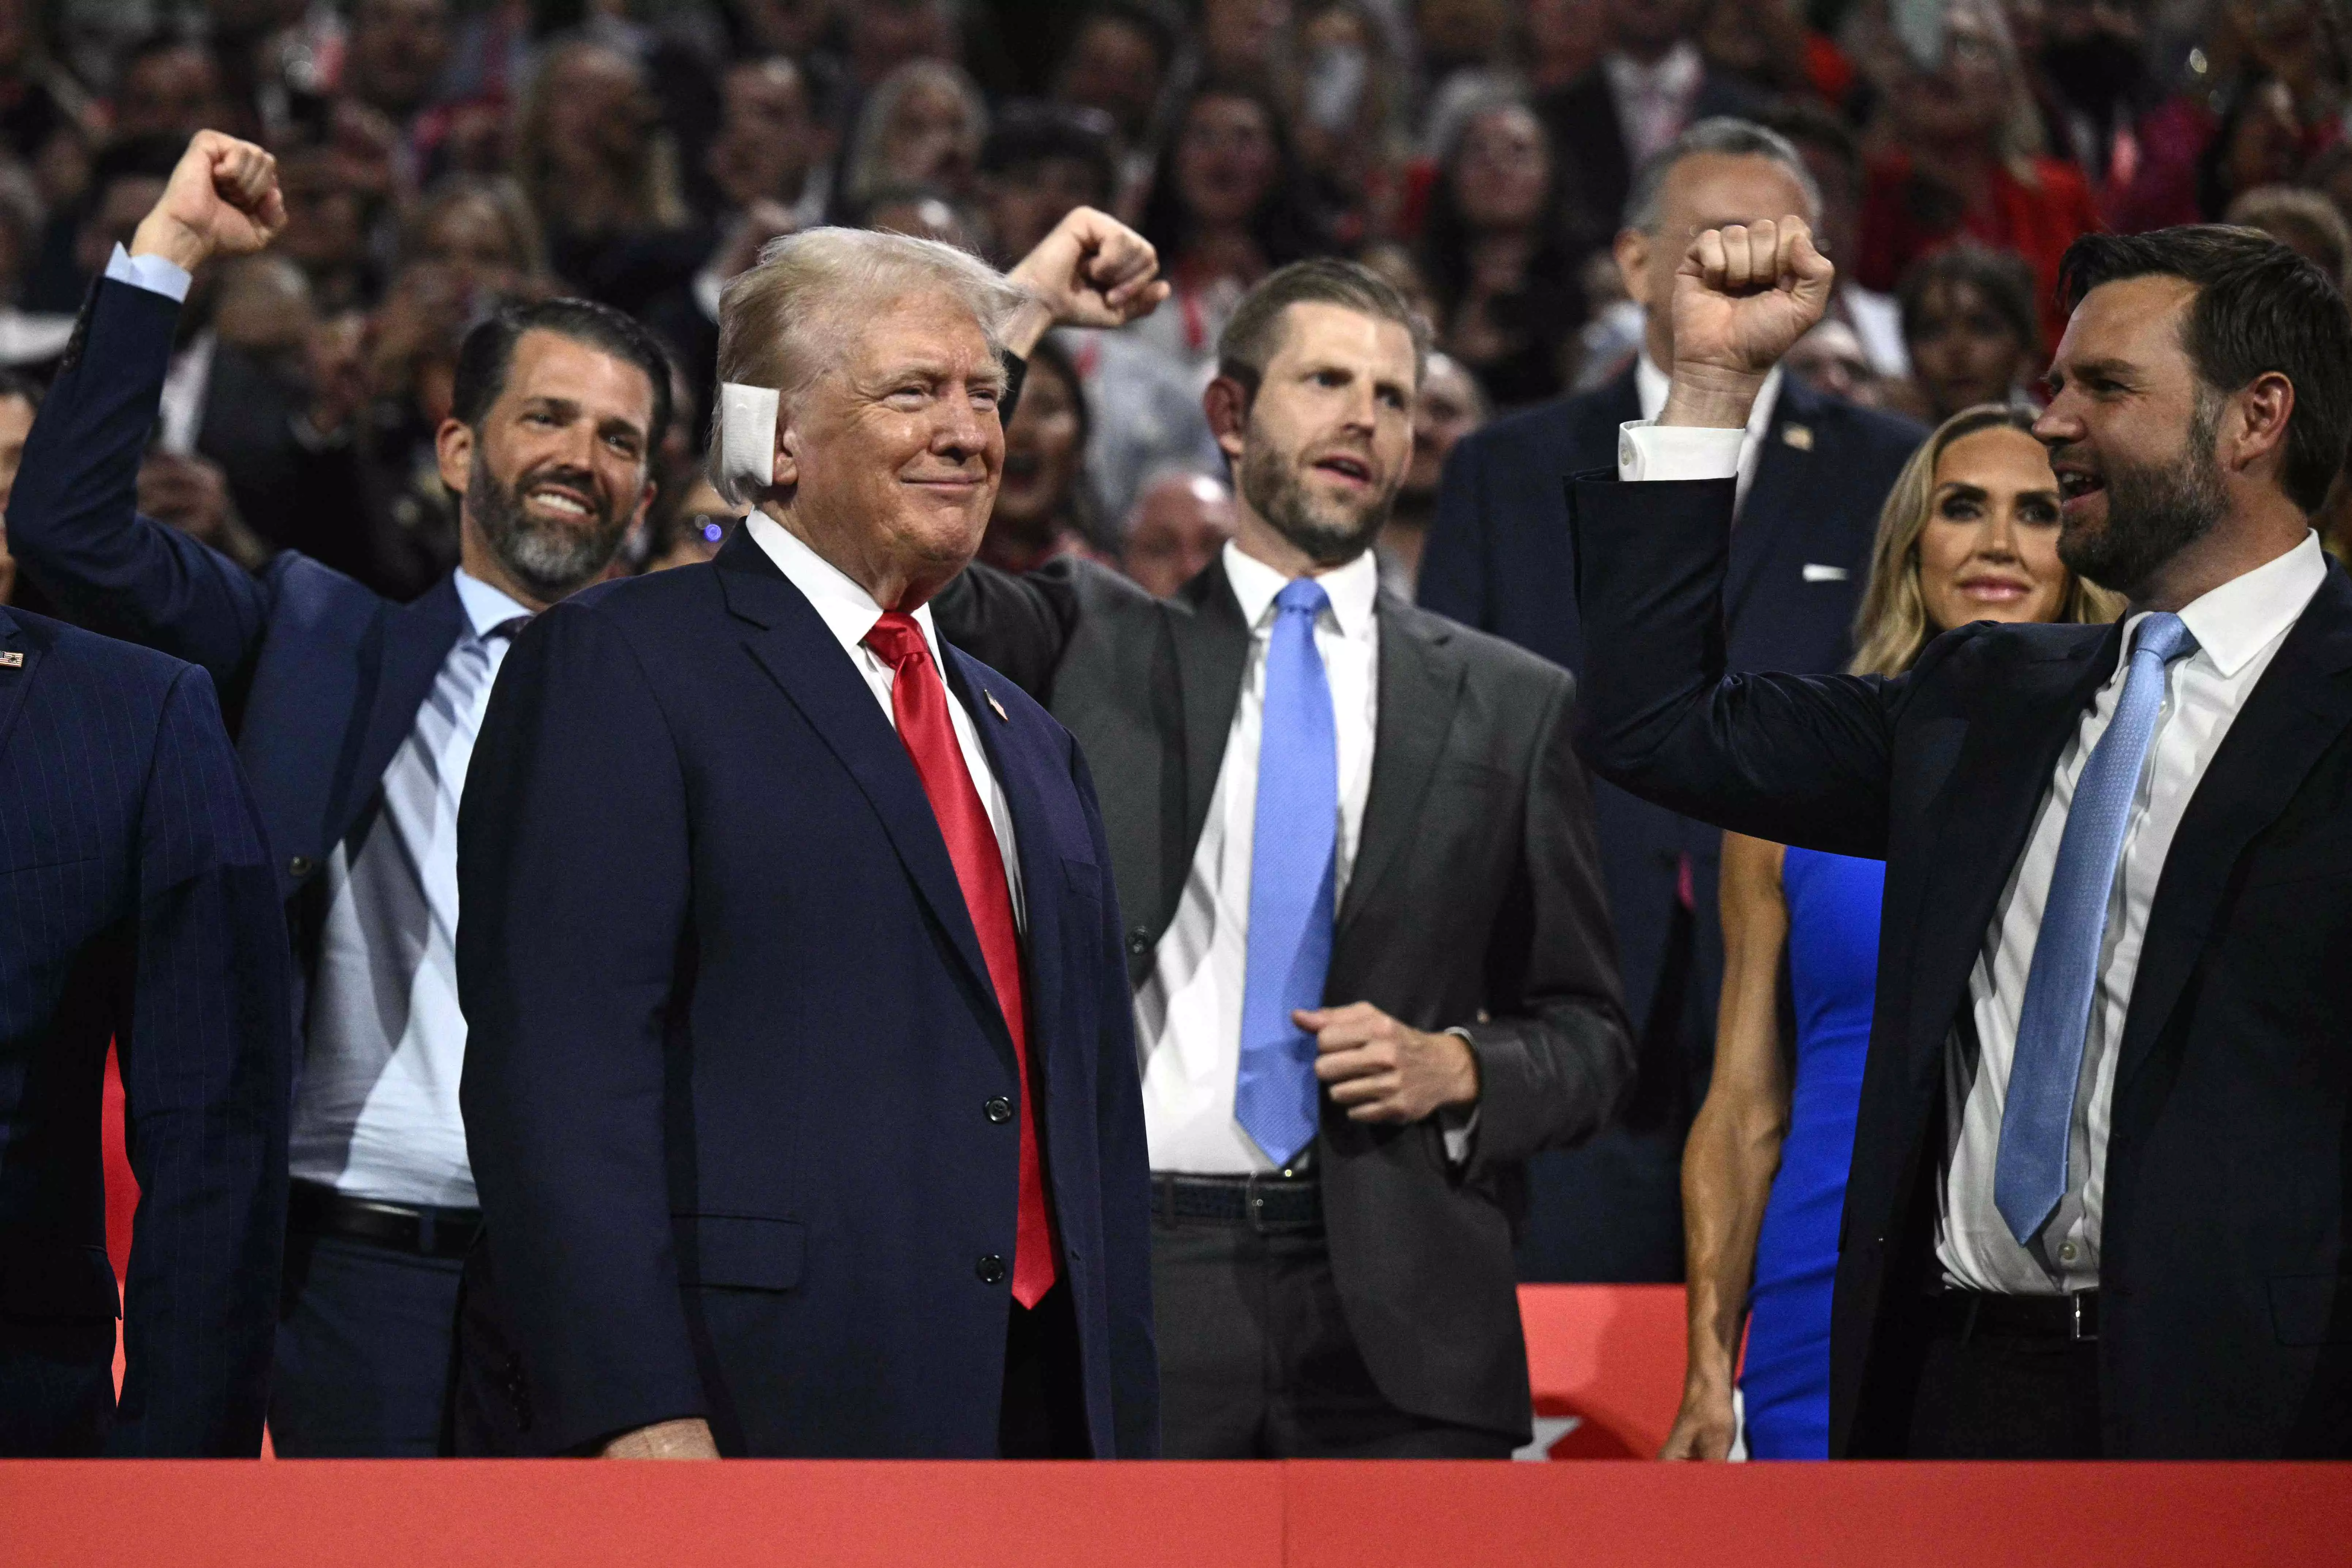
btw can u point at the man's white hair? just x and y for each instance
(786, 321)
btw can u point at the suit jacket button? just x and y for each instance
(990, 1268)
(298, 866)
(999, 1109)
(1138, 942)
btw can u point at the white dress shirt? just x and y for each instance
(1189, 1012)
(376, 1113)
(1651, 385)
(1653, 101)
(849, 612)
(2239, 628)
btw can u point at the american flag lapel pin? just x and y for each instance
(1801, 437)
(16, 661)
(994, 703)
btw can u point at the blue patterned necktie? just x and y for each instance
(2030, 1174)
(1293, 864)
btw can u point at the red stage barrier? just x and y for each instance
(584, 1515)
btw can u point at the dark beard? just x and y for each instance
(1271, 484)
(552, 560)
(2153, 513)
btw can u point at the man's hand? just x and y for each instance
(1743, 296)
(1703, 1427)
(1381, 1070)
(1091, 271)
(689, 1439)
(221, 200)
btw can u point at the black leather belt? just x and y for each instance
(1269, 1201)
(316, 1210)
(1968, 1313)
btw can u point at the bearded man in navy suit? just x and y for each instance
(802, 1091)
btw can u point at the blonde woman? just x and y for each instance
(1970, 533)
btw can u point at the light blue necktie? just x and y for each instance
(2030, 1174)
(1292, 863)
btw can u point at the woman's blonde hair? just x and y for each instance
(1892, 625)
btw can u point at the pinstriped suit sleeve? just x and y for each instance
(73, 518)
(206, 1048)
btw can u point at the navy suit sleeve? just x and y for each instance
(73, 518)
(1126, 1170)
(1453, 557)
(207, 1055)
(1559, 1055)
(1802, 760)
(572, 871)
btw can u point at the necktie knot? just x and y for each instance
(2166, 636)
(898, 641)
(1301, 597)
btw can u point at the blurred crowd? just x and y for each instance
(441, 156)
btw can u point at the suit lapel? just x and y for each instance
(417, 638)
(1033, 836)
(793, 645)
(2294, 714)
(1213, 645)
(16, 678)
(1988, 808)
(1420, 676)
(1776, 501)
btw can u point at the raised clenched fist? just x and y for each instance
(221, 200)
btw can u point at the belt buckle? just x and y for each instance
(2075, 1331)
(1253, 1205)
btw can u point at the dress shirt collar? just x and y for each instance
(1350, 588)
(485, 606)
(2237, 620)
(848, 610)
(1651, 385)
(1676, 71)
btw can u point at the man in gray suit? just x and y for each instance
(1373, 965)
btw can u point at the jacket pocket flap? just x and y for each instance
(740, 1252)
(63, 1281)
(2311, 1308)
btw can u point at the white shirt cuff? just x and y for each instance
(151, 273)
(1459, 1124)
(1649, 451)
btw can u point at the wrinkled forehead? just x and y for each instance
(2134, 322)
(930, 331)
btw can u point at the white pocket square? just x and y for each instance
(1817, 572)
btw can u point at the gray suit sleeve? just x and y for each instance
(1553, 1067)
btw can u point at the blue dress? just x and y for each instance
(1833, 978)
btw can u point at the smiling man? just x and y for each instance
(2097, 1200)
(1373, 971)
(356, 721)
(802, 1089)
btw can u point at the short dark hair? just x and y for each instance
(1027, 131)
(1251, 337)
(2004, 278)
(488, 353)
(2259, 308)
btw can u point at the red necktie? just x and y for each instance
(918, 701)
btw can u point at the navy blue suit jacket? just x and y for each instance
(135, 905)
(321, 678)
(1499, 558)
(732, 1044)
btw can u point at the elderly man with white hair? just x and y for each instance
(803, 1087)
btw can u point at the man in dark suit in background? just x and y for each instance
(355, 718)
(136, 905)
(1651, 86)
(1365, 923)
(2097, 1207)
(803, 1083)
(1813, 473)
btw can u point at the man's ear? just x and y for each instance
(1226, 402)
(453, 444)
(786, 472)
(2264, 405)
(1631, 251)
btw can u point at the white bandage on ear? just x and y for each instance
(747, 434)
